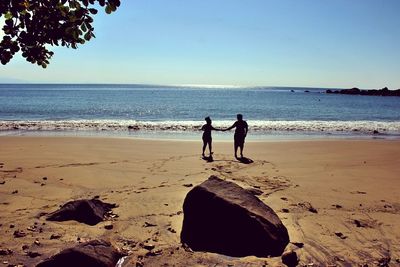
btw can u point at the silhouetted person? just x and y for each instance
(207, 139)
(240, 133)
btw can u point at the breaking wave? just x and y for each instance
(362, 127)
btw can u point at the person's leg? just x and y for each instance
(204, 147)
(210, 147)
(241, 150)
(236, 148)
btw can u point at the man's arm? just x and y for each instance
(230, 128)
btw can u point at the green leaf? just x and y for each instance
(93, 11)
(87, 36)
(108, 9)
(8, 15)
(83, 27)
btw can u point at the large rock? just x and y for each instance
(222, 217)
(95, 253)
(89, 211)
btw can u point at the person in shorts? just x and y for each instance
(240, 134)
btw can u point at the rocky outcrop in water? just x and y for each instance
(222, 217)
(355, 91)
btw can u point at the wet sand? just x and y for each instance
(339, 198)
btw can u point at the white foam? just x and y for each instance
(389, 127)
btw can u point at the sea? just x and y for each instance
(178, 112)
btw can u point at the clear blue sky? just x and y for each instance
(316, 43)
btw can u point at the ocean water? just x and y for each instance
(169, 111)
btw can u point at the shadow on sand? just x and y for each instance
(245, 160)
(208, 159)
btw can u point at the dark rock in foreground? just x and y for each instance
(289, 258)
(88, 211)
(355, 91)
(222, 217)
(95, 253)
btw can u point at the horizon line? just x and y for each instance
(208, 86)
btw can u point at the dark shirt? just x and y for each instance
(207, 128)
(241, 127)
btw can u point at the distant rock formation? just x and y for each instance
(224, 218)
(95, 253)
(88, 211)
(355, 91)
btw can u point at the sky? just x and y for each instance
(309, 43)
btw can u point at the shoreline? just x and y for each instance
(196, 136)
(343, 180)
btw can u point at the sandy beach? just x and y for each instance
(339, 198)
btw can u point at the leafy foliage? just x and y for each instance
(32, 25)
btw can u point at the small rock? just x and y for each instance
(2, 182)
(171, 230)
(154, 253)
(298, 244)
(12, 225)
(147, 224)
(19, 233)
(384, 262)
(188, 185)
(32, 228)
(148, 246)
(340, 235)
(337, 206)
(5, 251)
(44, 178)
(55, 236)
(289, 258)
(108, 226)
(358, 223)
(285, 210)
(25, 247)
(37, 243)
(313, 210)
(14, 192)
(33, 254)
(284, 198)
(308, 206)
